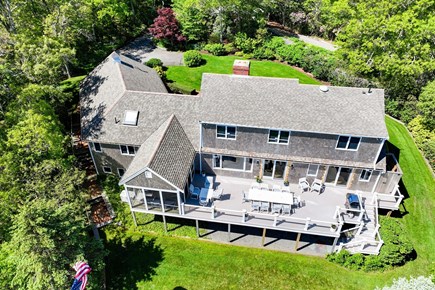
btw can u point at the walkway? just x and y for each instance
(142, 49)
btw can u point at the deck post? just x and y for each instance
(389, 213)
(263, 237)
(182, 208)
(165, 226)
(134, 218)
(229, 232)
(275, 220)
(334, 244)
(307, 223)
(212, 212)
(244, 216)
(297, 241)
(197, 228)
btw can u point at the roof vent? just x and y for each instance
(116, 57)
(324, 89)
(130, 118)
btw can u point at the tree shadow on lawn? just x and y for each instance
(131, 261)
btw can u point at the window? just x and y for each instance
(232, 163)
(278, 137)
(107, 169)
(121, 172)
(348, 143)
(226, 132)
(97, 147)
(127, 150)
(313, 169)
(365, 175)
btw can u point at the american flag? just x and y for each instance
(81, 277)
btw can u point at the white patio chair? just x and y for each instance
(255, 205)
(264, 186)
(317, 185)
(297, 201)
(286, 209)
(303, 184)
(276, 188)
(245, 196)
(217, 194)
(264, 207)
(276, 208)
(285, 189)
(255, 185)
(194, 191)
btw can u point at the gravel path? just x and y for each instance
(142, 49)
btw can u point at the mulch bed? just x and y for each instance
(101, 212)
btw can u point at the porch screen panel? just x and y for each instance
(170, 201)
(153, 200)
(136, 197)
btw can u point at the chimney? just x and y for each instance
(241, 67)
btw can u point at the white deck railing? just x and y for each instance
(307, 223)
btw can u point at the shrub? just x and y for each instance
(244, 43)
(192, 58)
(161, 72)
(263, 53)
(215, 49)
(397, 248)
(153, 62)
(274, 43)
(424, 139)
(419, 283)
(395, 252)
(293, 54)
(238, 53)
(230, 48)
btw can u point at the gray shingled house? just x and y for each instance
(318, 153)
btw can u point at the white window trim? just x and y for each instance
(107, 171)
(317, 170)
(128, 152)
(370, 177)
(95, 149)
(231, 169)
(279, 135)
(226, 132)
(119, 173)
(347, 143)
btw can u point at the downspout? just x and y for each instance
(200, 147)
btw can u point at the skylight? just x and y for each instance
(130, 118)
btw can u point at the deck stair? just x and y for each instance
(367, 239)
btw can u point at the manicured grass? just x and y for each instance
(149, 261)
(189, 79)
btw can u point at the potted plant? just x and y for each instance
(203, 173)
(286, 183)
(333, 228)
(258, 179)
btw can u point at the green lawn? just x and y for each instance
(158, 261)
(188, 79)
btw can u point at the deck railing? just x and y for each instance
(276, 220)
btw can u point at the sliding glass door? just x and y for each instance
(338, 176)
(274, 169)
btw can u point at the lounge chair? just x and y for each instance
(317, 185)
(303, 184)
(286, 208)
(194, 191)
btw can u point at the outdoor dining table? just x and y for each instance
(270, 196)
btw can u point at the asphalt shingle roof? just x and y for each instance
(285, 104)
(168, 152)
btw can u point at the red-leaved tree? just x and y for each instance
(166, 29)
